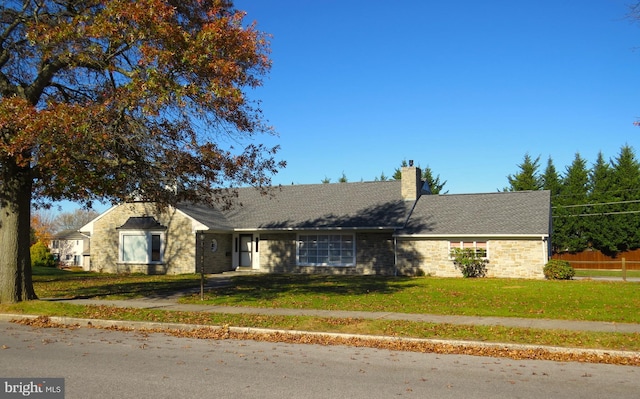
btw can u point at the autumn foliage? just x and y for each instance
(125, 99)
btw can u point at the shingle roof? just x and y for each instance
(142, 223)
(69, 235)
(501, 213)
(366, 205)
(379, 205)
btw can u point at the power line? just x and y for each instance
(596, 203)
(595, 214)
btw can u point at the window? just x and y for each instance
(479, 247)
(155, 248)
(326, 250)
(141, 247)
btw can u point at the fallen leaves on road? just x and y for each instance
(395, 344)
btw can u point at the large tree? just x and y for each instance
(625, 180)
(570, 225)
(551, 179)
(116, 99)
(602, 227)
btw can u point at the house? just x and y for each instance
(71, 248)
(382, 227)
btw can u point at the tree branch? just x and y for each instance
(34, 91)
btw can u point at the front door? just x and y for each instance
(246, 248)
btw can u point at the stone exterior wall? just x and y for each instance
(517, 259)
(214, 262)
(507, 258)
(277, 252)
(179, 249)
(375, 254)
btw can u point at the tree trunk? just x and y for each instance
(15, 224)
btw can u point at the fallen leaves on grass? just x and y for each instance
(395, 344)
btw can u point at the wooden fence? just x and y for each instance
(624, 261)
(630, 260)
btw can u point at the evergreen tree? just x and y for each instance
(551, 179)
(570, 230)
(625, 186)
(397, 174)
(434, 182)
(527, 178)
(601, 226)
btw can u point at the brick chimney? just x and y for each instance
(411, 182)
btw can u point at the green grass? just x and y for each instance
(569, 300)
(606, 273)
(566, 300)
(56, 283)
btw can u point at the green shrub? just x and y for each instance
(557, 269)
(470, 262)
(40, 255)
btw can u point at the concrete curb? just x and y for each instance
(143, 325)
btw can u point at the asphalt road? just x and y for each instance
(113, 364)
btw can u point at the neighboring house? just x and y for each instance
(382, 227)
(71, 248)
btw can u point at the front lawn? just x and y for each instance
(568, 300)
(55, 283)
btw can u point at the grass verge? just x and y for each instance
(394, 328)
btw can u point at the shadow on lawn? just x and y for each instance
(54, 283)
(64, 285)
(267, 287)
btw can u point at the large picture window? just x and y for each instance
(141, 240)
(326, 250)
(141, 247)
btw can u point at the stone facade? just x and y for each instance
(213, 261)
(377, 253)
(179, 244)
(411, 183)
(277, 252)
(507, 258)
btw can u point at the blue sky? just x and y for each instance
(464, 87)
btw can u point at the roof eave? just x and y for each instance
(323, 228)
(458, 235)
